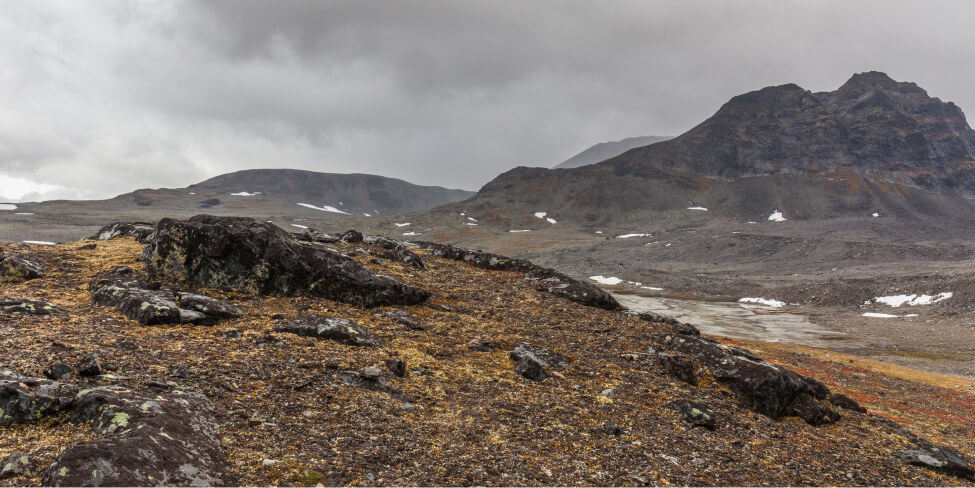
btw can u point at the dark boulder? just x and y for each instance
(398, 251)
(768, 389)
(28, 307)
(147, 439)
(17, 270)
(90, 365)
(546, 357)
(331, 328)
(135, 298)
(842, 401)
(397, 367)
(351, 236)
(88, 247)
(311, 235)
(24, 399)
(209, 306)
(680, 368)
(548, 280)
(13, 465)
(142, 231)
(242, 254)
(400, 317)
(58, 370)
(530, 367)
(696, 414)
(678, 326)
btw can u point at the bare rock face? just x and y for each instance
(331, 328)
(142, 231)
(17, 270)
(766, 388)
(548, 279)
(242, 254)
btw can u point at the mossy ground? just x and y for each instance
(278, 396)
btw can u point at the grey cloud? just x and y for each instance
(104, 97)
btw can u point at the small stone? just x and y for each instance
(268, 462)
(609, 392)
(88, 247)
(846, 403)
(179, 372)
(371, 373)
(57, 371)
(351, 236)
(396, 366)
(89, 365)
(529, 367)
(407, 407)
(233, 334)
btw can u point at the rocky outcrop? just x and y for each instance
(532, 361)
(340, 330)
(548, 279)
(28, 307)
(141, 231)
(242, 254)
(764, 387)
(24, 399)
(17, 270)
(150, 304)
(147, 439)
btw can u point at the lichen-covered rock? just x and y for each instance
(398, 251)
(311, 235)
(765, 387)
(17, 270)
(28, 307)
(842, 401)
(939, 458)
(209, 306)
(549, 280)
(147, 440)
(90, 365)
(24, 399)
(351, 236)
(530, 367)
(680, 368)
(15, 464)
(331, 328)
(400, 317)
(242, 254)
(696, 414)
(546, 357)
(135, 298)
(142, 231)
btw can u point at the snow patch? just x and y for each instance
(469, 223)
(43, 243)
(887, 315)
(192, 193)
(7, 206)
(401, 225)
(472, 219)
(606, 280)
(875, 215)
(551, 220)
(697, 208)
(627, 236)
(541, 215)
(599, 232)
(762, 301)
(24, 213)
(652, 288)
(411, 233)
(246, 194)
(324, 208)
(520, 230)
(913, 300)
(776, 217)
(299, 226)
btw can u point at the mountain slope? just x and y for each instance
(872, 146)
(605, 150)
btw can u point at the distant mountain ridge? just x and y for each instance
(605, 150)
(872, 146)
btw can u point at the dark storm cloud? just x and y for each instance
(104, 97)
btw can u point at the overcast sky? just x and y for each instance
(102, 97)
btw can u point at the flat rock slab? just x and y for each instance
(549, 280)
(209, 306)
(331, 328)
(546, 357)
(28, 307)
(242, 254)
(766, 388)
